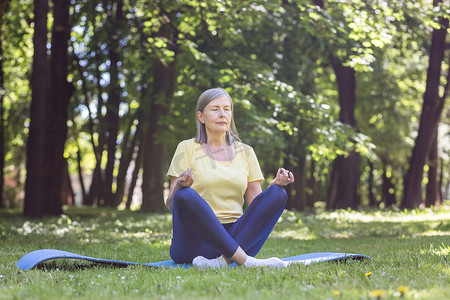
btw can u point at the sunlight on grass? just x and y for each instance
(410, 257)
(298, 234)
(353, 224)
(385, 216)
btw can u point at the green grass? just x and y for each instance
(410, 258)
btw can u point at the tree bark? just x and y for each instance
(60, 92)
(344, 189)
(433, 187)
(34, 193)
(429, 119)
(154, 151)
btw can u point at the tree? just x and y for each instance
(433, 105)
(46, 166)
(344, 180)
(154, 148)
(302, 74)
(345, 176)
(36, 144)
(59, 94)
(433, 195)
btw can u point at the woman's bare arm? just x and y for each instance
(253, 190)
(184, 180)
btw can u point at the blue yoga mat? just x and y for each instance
(32, 259)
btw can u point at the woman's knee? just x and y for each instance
(184, 197)
(278, 194)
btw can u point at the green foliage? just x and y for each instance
(273, 58)
(409, 254)
(17, 54)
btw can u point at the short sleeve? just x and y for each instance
(255, 173)
(180, 161)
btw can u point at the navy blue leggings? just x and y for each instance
(197, 231)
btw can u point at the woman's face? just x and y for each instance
(216, 115)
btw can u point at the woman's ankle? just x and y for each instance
(229, 261)
(239, 257)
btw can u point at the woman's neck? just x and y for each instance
(217, 140)
(219, 149)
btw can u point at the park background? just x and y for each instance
(350, 95)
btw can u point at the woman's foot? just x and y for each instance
(274, 262)
(203, 262)
(220, 262)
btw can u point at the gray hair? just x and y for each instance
(205, 98)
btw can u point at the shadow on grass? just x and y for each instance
(72, 265)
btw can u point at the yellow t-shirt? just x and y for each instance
(221, 183)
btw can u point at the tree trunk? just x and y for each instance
(372, 198)
(445, 187)
(137, 168)
(154, 151)
(87, 104)
(144, 110)
(67, 194)
(300, 184)
(34, 192)
(80, 177)
(314, 185)
(388, 190)
(127, 150)
(433, 186)
(96, 190)
(429, 119)
(290, 190)
(112, 114)
(60, 91)
(346, 173)
(344, 193)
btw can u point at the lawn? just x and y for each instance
(410, 257)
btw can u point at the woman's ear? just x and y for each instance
(200, 117)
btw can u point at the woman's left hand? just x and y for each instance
(283, 178)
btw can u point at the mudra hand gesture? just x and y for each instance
(186, 179)
(283, 178)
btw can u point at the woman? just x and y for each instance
(209, 175)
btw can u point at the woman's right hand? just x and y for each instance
(186, 179)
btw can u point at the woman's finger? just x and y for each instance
(291, 177)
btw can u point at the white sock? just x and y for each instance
(268, 262)
(202, 262)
